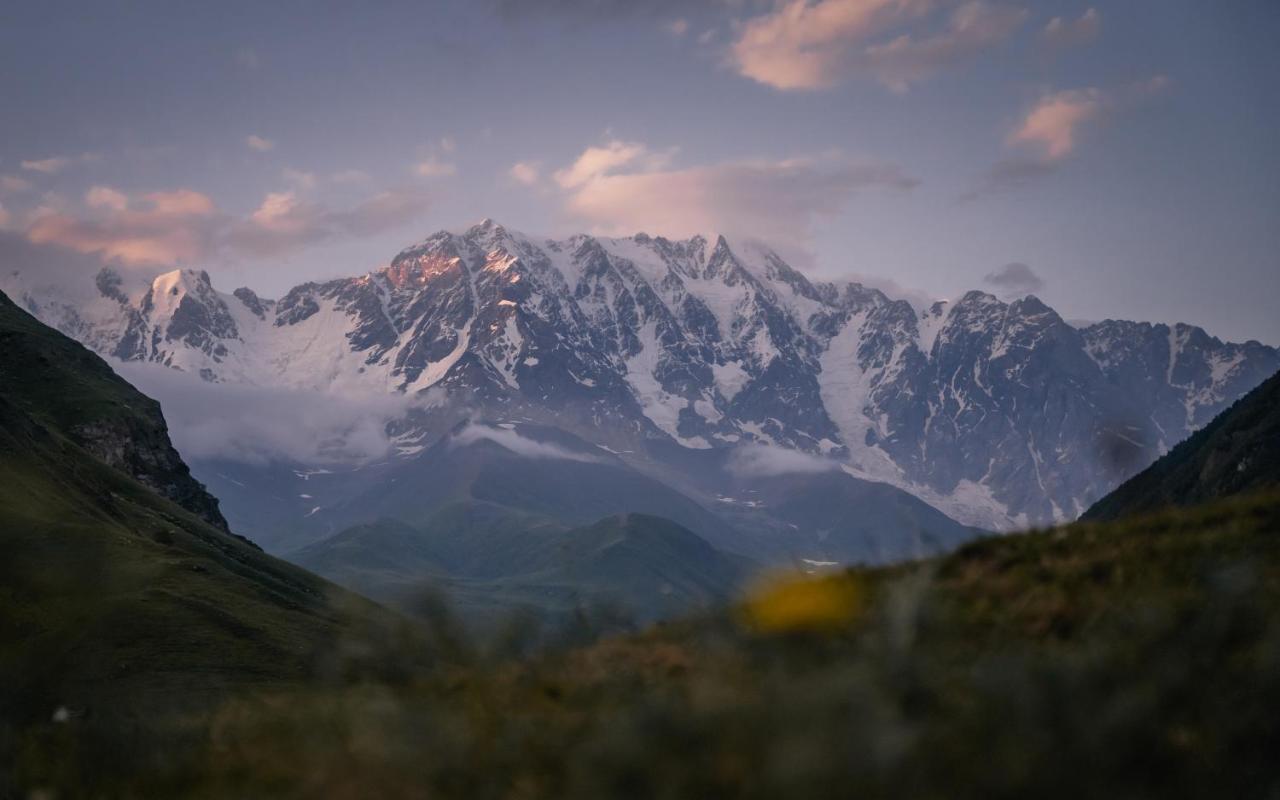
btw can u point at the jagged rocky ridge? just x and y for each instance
(1001, 414)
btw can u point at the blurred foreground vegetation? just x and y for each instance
(1131, 659)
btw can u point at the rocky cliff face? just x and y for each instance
(143, 451)
(1002, 414)
(75, 393)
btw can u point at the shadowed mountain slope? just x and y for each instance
(122, 612)
(1239, 451)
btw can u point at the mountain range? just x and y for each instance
(668, 353)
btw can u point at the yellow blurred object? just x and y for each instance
(795, 603)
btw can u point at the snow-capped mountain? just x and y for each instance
(1000, 414)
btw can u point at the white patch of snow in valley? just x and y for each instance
(845, 389)
(661, 407)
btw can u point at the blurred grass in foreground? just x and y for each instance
(1132, 659)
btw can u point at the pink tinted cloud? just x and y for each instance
(622, 188)
(1053, 123)
(815, 44)
(185, 226)
(48, 166)
(283, 223)
(168, 227)
(1061, 34)
(1050, 131)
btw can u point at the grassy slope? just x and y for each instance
(1238, 451)
(1134, 659)
(137, 617)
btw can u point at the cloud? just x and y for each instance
(803, 45)
(300, 178)
(763, 461)
(49, 166)
(106, 197)
(255, 424)
(433, 167)
(1051, 130)
(525, 172)
(596, 162)
(13, 183)
(350, 176)
(1009, 174)
(1014, 280)
(258, 143)
(164, 228)
(1062, 34)
(1053, 123)
(624, 187)
(283, 223)
(5, 217)
(39, 266)
(184, 226)
(514, 442)
(973, 27)
(678, 27)
(181, 202)
(919, 299)
(383, 212)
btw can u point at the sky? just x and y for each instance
(1119, 160)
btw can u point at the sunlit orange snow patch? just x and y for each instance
(796, 603)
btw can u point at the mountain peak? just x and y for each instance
(485, 227)
(177, 281)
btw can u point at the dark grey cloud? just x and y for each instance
(37, 265)
(1014, 280)
(1010, 174)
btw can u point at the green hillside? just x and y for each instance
(125, 617)
(492, 562)
(1239, 451)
